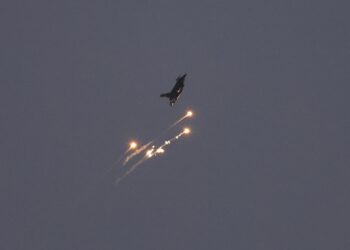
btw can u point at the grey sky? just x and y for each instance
(267, 165)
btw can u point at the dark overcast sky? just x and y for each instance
(267, 165)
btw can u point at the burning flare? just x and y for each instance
(133, 145)
(186, 131)
(189, 113)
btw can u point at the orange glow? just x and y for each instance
(133, 145)
(189, 113)
(187, 131)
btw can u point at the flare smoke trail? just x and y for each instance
(138, 151)
(132, 145)
(152, 152)
(149, 154)
(117, 181)
(188, 114)
(167, 142)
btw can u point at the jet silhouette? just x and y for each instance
(174, 94)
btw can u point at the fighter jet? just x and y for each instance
(174, 94)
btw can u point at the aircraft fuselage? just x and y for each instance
(174, 94)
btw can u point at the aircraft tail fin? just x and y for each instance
(165, 95)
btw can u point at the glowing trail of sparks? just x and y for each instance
(117, 181)
(160, 150)
(133, 167)
(149, 154)
(136, 152)
(177, 122)
(152, 152)
(189, 113)
(132, 145)
(185, 131)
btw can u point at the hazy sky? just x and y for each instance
(267, 165)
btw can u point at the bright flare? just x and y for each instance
(189, 113)
(187, 131)
(149, 153)
(136, 152)
(160, 151)
(133, 145)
